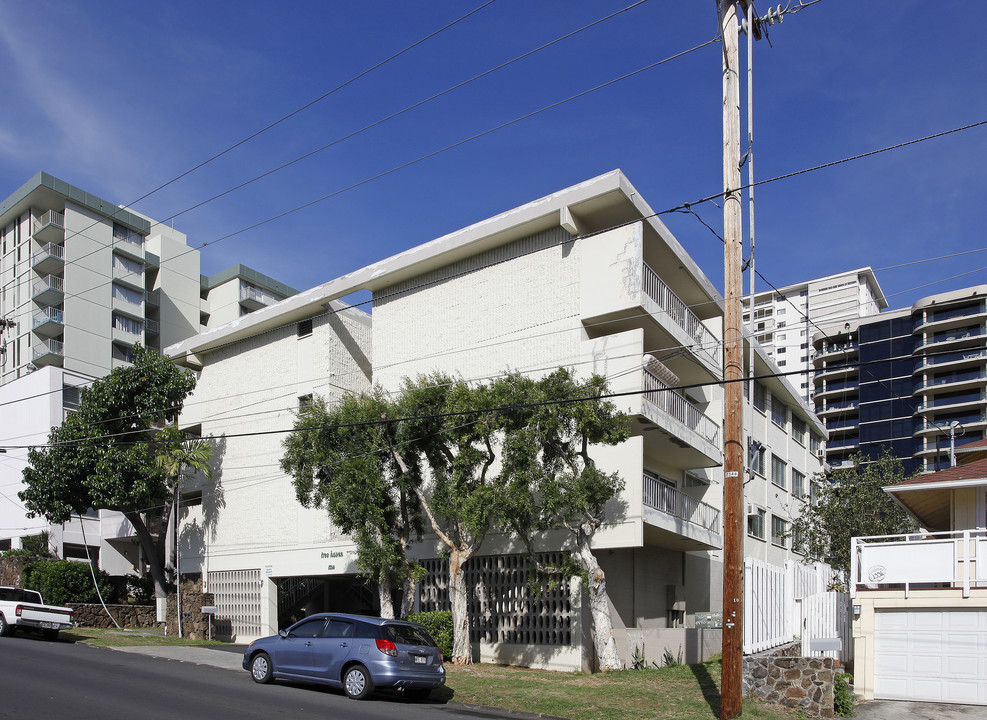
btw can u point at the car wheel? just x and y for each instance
(417, 694)
(4, 627)
(50, 634)
(261, 669)
(357, 683)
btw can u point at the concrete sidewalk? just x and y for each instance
(227, 656)
(904, 710)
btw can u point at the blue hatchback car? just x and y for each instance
(353, 652)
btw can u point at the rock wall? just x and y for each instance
(195, 625)
(802, 683)
(129, 616)
(12, 571)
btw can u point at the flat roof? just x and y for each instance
(250, 275)
(597, 204)
(46, 190)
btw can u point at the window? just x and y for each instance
(304, 401)
(779, 531)
(781, 311)
(781, 349)
(305, 328)
(799, 429)
(340, 629)
(128, 325)
(70, 397)
(127, 235)
(782, 363)
(813, 492)
(760, 397)
(127, 265)
(757, 459)
(781, 324)
(798, 541)
(755, 524)
(80, 552)
(815, 443)
(778, 468)
(134, 297)
(191, 498)
(779, 413)
(798, 483)
(309, 629)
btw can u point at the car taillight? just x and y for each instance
(387, 647)
(19, 610)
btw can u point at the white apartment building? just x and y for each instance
(586, 278)
(785, 320)
(81, 282)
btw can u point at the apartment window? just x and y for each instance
(757, 459)
(127, 235)
(127, 265)
(126, 324)
(81, 552)
(779, 413)
(778, 468)
(760, 397)
(813, 492)
(798, 483)
(305, 328)
(781, 349)
(781, 324)
(70, 397)
(782, 363)
(304, 401)
(799, 429)
(134, 297)
(781, 336)
(779, 531)
(191, 498)
(798, 541)
(755, 524)
(815, 443)
(781, 311)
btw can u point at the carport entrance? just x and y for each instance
(299, 597)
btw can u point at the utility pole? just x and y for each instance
(733, 374)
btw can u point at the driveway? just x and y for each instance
(902, 710)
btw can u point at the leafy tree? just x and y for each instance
(553, 481)
(103, 455)
(851, 503)
(64, 581)
(340, 459)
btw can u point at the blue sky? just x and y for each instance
(120, 97)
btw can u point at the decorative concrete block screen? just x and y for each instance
(237, 594)
(503, 607)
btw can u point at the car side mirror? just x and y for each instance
(283, 633)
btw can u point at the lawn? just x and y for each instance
(681, 692)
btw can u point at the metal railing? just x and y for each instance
(956, 558)
(153, 298)
(128, 236)
(672, 501)
(48, 282)
(48, 314)
(151, 326)
(674, 404)
(51, 250)
(52, 217)
(669, 302)
(48, 347)
(257, 295)
(830, 349)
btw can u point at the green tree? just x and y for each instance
(553, 481)
(341, 459)
(103, 455)
(851, 503)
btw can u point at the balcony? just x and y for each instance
(941, 341)
(955, 559)
(976, 357)
(49, 227)
(48, 352)
(826, 409)
(49, 259)
(951, 381)
(940, 425)
(124, 275)
(677, 520)
(833, 371)
(253, 298)
(620, 296)
(842, 391)
(693, 439)
(835, 350)
(953, 317)
(129, 243)
(48, 322)
(47, 290)
(151, 327)
(153, 298)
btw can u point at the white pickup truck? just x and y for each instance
(25, 609)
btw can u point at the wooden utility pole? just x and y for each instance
(733, 374)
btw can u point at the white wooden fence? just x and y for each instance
(826, 617)
(772, 612)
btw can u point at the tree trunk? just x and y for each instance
(462, 652)
(599, 605)
(408, 592)
(153, 553)
(384, 593)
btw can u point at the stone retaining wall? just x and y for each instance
(195, 625)
(804, 683)
(129, 616)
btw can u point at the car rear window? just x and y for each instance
(408, 635)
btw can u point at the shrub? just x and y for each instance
(439, 626)
(843, 699)
(63, 581)
(140, 588)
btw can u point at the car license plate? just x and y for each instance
(49, 626)
(421, 659)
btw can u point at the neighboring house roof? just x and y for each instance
(928, 497)
(971, 452)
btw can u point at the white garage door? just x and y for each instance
(934, 655)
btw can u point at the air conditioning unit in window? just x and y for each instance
(752, 509)
(821, 454)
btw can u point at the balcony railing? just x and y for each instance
(48, 347)
(52, 217)
(46, 315)
(673, 403)
(670, 303)
(831, 349)
(153, 298)
(46, 284)
(954, 559)
(676, 503)
(962, 334)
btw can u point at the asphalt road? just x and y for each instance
(41, 680)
